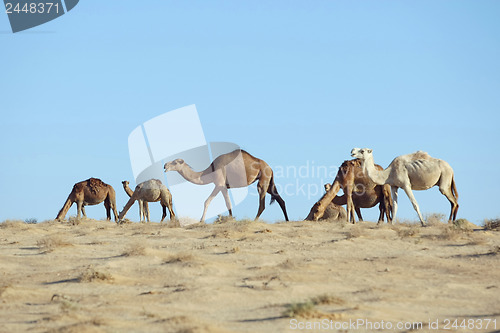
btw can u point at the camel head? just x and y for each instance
(174, 165)
(315, 213)
(328, 186)
(361, 153)
(125, 183)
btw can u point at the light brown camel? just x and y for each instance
(90, 192)
(143, 205)
(151, 191)
(351, 179)
(232, 170)
(417, 171)
(334, 212)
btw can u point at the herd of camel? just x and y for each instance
(364, 183)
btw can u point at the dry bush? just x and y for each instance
(407, 230)
(308, 309)
(434, 219)
(13, 224)
(175, 223)
(134, 249)
(224, 219)
(180, 258)
(90, 275)
(492, 224)
(51, 242)
(355, 232)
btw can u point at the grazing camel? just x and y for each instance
(351, 179)
(150, 191)
(417, 171)
(232, 170)
(90, 192)
(334, 212)
(143, 205)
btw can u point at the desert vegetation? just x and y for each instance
(242, 275)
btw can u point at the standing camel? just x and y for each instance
(232, 170)
(417, 171)
(150, 191)
(90, 192)
(143, 205)
(351, 178)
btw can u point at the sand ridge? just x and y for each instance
(241, 276)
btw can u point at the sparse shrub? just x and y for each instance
(434, 219)
(224, 219)
(181, 258)
(327, 299)
(51, 242)
(304, 310)
(355, 232)
(31, 220)
(13, 224)
(175, 223)
(462, 225)
(134, 249)
(90, 275)
(492, 224)
(410, 230)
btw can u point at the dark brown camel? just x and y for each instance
(90, 192)
(367, 194)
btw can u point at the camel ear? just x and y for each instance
(369, 151)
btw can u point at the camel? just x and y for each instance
(351, 179)
(417, 171)
(143, 205)
(232, 170)
(90, 192)
(150, 191)
(334, 212)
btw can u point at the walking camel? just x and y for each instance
(143, 205)
(351, 178)
(150, 191)
(90, 192)
(232, 170)
(417, 171)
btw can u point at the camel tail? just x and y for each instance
(64, 209)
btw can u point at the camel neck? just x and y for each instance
(379, 177)
(191, 176)
(128, 190)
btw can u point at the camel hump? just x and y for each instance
(421, 155)
(95, 184)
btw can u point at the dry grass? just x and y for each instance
(356, 231)
(134, 249)
(407, 230)
(492, 224)
(308, 309)
(180, 258)
(13, 224)
(91, 275)
(51, 242)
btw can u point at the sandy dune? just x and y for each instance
(242, 276)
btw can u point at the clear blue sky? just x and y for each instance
(296, 83)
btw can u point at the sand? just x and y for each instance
(246, 276)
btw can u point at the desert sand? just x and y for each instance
(246, 276)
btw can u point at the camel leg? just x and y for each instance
(358, 212)
(129, 204)
(83, 211)
(79, 207)
(350, 205)
(209, 199)
(453, 201)
(262, 189)
(107, 205)
(394, 194)
(410, 195)
(227, 199)
(271, 189)
(166, 202)
(382, 212)
(164, 212)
